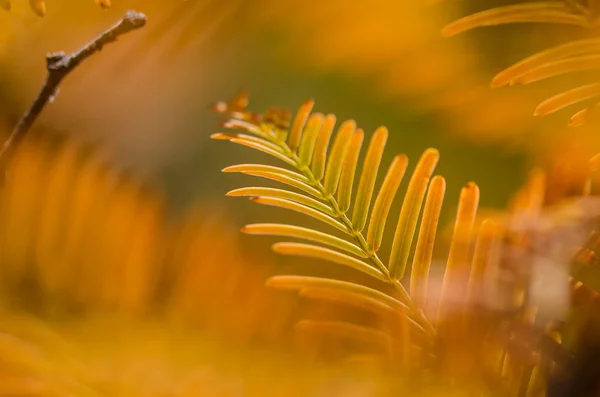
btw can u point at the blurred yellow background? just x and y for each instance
(116, 200)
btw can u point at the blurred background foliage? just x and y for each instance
(82, 234)
(145, 101)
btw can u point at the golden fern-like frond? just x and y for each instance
(575, 56)
(323, 175)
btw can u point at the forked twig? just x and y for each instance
(59, 65)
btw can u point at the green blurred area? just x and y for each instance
(497, 169)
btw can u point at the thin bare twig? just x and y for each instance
(59, 65)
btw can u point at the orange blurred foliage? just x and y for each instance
(78, 236)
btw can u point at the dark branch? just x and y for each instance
(59, 65)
